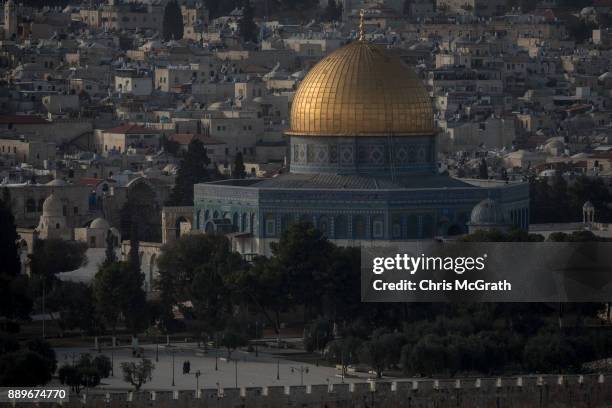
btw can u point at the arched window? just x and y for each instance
(340, 227)
(286, 221)
(323, 225)
(206, 215)
(396, 226)
(378, 227)
(215, 215)
(413, 226)
(270, 225)
(40, 204)
(243, 222)
(235, 222)
(428, 226)
(359, 227)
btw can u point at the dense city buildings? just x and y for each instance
(132, 131)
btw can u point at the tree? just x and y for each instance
(303, 255)
(264, 284)
(135, 304)
(55, 255)
(198, 268)
(43, 348)
(232, 337)
(483, 169)
(110, 254)
(14, 303)
(333, 11)
(118, 291)
(170, 146)
(87, 372)
(239, 170)
(102, 364)
(193, 170)
(246, 24)
(381, 351)
(137, 374)
(344, 351)
(318, 334)
(109, 295)
(172, 21)
(556, 352)
(11, 264)
(24, 368)
(75, 303)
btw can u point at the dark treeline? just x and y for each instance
(556, 200)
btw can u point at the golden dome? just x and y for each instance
(361, 90)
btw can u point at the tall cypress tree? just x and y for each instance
(246, 25)
(193, 170)
(333, 10)
(14, 299)
(239, 170)
(111, 256)
(9, 255)
(173, 21)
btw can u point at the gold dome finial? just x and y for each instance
(361, 25)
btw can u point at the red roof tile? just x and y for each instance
(89, 181)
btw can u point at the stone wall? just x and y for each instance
(510, 392)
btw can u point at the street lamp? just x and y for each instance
(256, 337)
(302, 370)
(236, 371)
(112, 359)
(173, 352)
(197, 376)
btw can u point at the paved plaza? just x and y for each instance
(251, 370)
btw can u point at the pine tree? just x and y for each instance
(134, 255)
(173, 21)
(193, 170)
(239, 169)
(333, 11)
(9, 255)
(246, 25)
(483, 169)
(111, 255)
(14, 299)
(330, 10)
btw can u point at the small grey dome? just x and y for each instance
(100, 223)
(588, 206)
(57, 183)
(53, 206)
(487, 212)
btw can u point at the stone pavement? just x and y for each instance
(251, 370)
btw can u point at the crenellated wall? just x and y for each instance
(593, 391)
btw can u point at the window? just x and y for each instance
(270, 225)
(92, 242)
(377, 228)
(75, 210)
(57, 226)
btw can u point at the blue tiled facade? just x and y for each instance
(355, 189)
